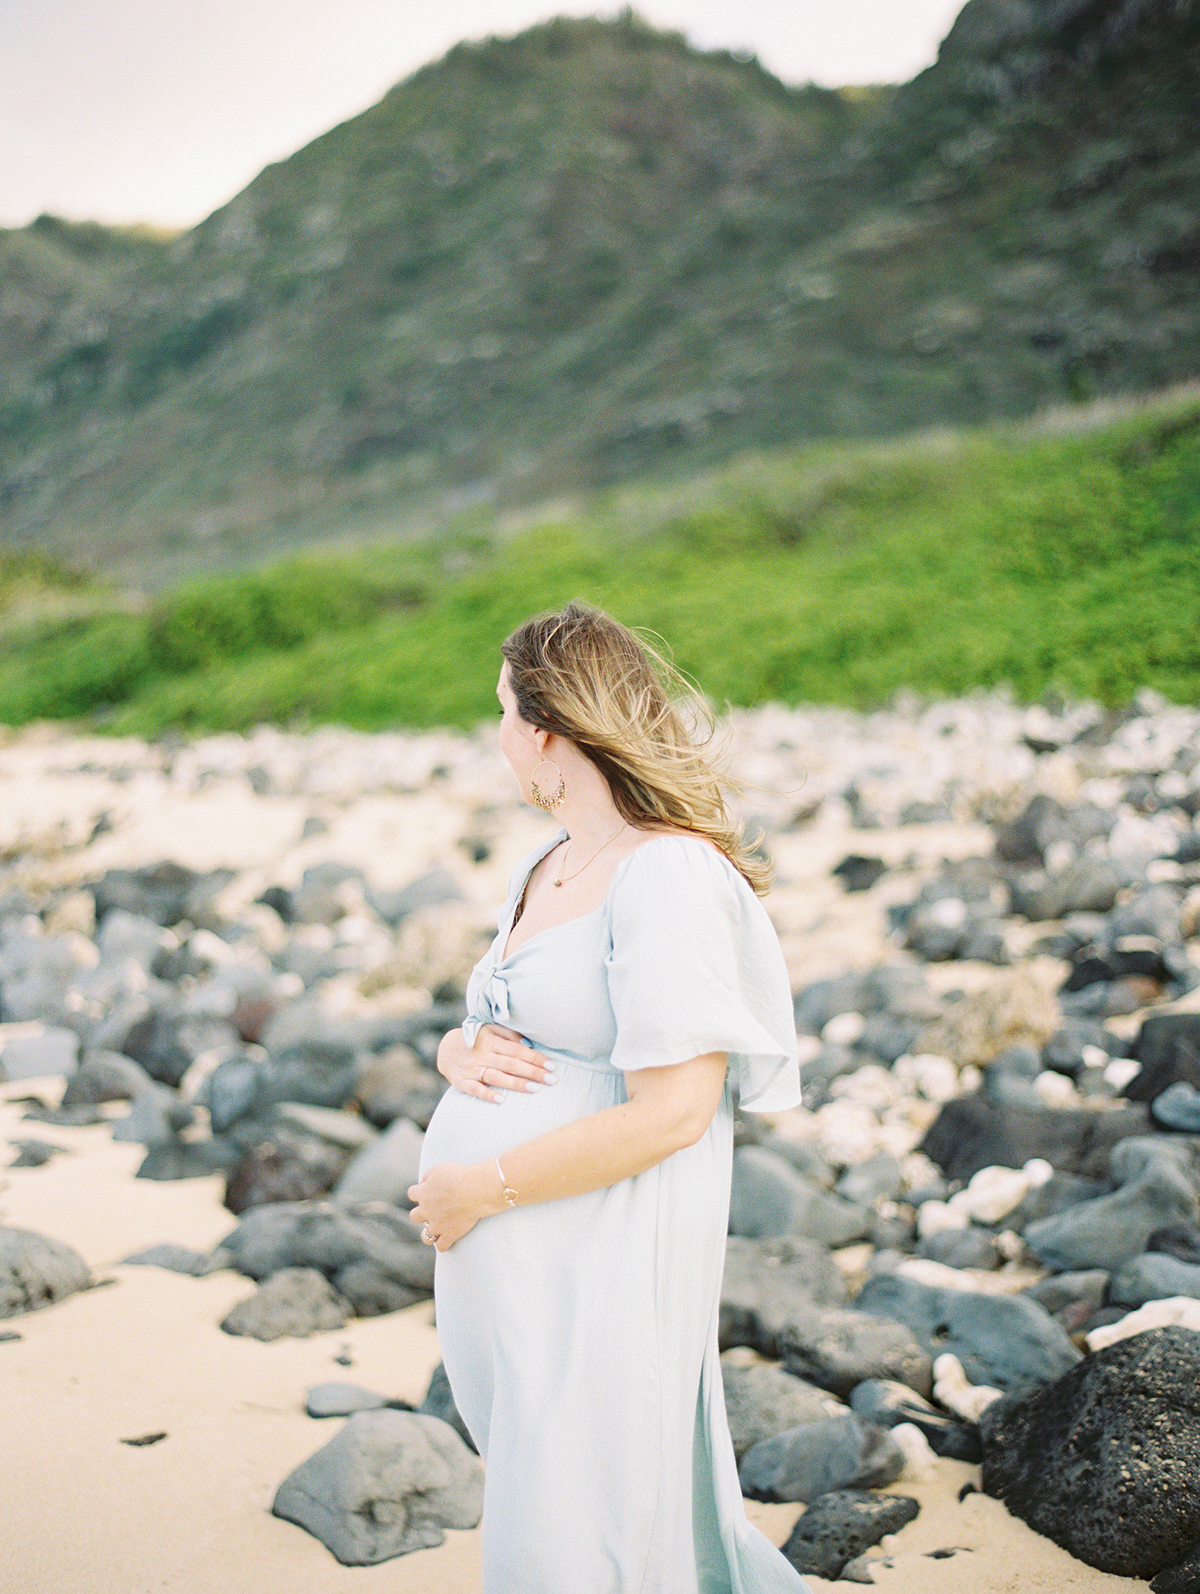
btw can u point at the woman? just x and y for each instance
(576, 1178)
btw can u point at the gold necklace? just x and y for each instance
(562, 878)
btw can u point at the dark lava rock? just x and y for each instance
(185, 1159)
(960, 1248)
(332, 1239)
(159, 892)
(1104, 1232)
(1007, 1341)
(763, 1401)
(105, 1076)
(770, 1198)
(294, 1303)
(1182, 1578)
(859, 873)
(1178, 1107)
(1168, 1048)
(175, 1258)
(320, 1072)
(840, 1525)
(390, 1482)
(971, 1132)
(439, 1402)
(36, 1272)
(838, 1349)
(887, 1404)
(767, 1281)
(1180, 1240)
(1153, 1276)
(837, 1453)
(342, 1400)
(285, 1165)
(1103, 1461)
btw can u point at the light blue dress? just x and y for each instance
(580, 1336)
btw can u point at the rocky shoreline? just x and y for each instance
(976, 1244)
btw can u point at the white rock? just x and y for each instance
(920, 1463)
(1055, 1090)
(994, 1192)
(870, 1086)
(847, 1132)
(954, 1390)
(934, 1077)
(1095, 1057)
(933, 1217)
(1173, 1309)
(843, 1029)
(1120, 1071)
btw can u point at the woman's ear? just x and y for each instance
(540, 738)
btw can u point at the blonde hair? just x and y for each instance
(580, 674)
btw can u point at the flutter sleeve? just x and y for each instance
(695, 967)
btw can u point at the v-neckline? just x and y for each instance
(510, 922)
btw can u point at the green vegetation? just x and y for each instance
(1034, 558)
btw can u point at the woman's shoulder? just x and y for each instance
(674, 860)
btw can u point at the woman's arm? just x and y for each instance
(668, 1109)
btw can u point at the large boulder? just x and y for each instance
(807, 1461)
(1168, 1049)
(1103, 1460)
(972, 1132)
(1104, 1232)
(384, 1169)
(767, 1281)
(1007, 1341)
(333, 1239)
(390, 1482)
(1153, 1276)
(36, 1272)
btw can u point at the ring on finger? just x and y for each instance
(427, 1236)
(483, 1076)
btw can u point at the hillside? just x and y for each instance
(589, 252)
(1045, 557)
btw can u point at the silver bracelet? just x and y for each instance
(510, 1195)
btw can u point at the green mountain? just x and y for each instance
(591, 252)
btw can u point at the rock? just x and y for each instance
(960, 1248)
(185, 1159)
(765, 1400)
(1181, 1240)
(426, 891)
(1182, 1578)
(972, 1133)
(770, 1198)
(955, 1391)
(159, 892)
(439, 1402)
(384, 1170)
(395, 1085)
(993, 1193)
(233, 1091)
(1073, 1048)
(342, 1400)
(1069, 1289)
(317, 1071)
(1153, 913)
(390, 1482)
(840, 1525)
(1168, 1049)
(175, 1258)
(33, 1055)
(1102, 1233)
(936, 931)
(372, 1291)
(1025, 839)
(294, 1303)
(168, 1043)
(1003, 1340)
(35, 1153)
(77, 1117)
(1085, 1461)
(859, 873)
(331, 1238)
(878, 1178)
(1059, 1192)
(888, 1037)
(767, 1281)
(105, 1076)
(1013, 1008)
(807, 1159)
(126, 935)
(1153, 1276)
(889, 1404)
(1181, 1310)
(345, 1130)
(154, 1118)
(837, 1349)
(1178, 1107)
(326, 892)
(284, 1165)
(809, 1460)
(36, 1272)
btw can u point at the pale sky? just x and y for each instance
(161, 110)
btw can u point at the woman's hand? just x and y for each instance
(451, 1198)
(498, 1061)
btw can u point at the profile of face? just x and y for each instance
(521, 743)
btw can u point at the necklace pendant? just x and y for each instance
(558, 882)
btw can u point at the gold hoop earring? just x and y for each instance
(547, 800)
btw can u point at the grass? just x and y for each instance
(1022, 557)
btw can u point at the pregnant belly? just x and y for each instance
(465, 1129)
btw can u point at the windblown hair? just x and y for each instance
(580, 674)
